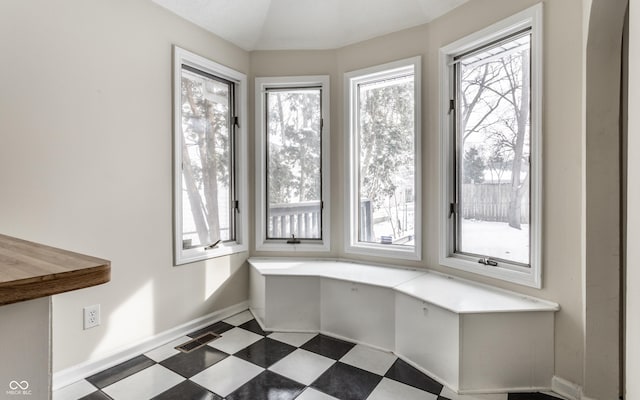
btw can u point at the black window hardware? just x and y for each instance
(293, 240)
(488, 261)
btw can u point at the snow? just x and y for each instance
(496, 240)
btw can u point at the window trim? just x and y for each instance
(240, 244)
(353, 245)
(281, 245)
(527, 276)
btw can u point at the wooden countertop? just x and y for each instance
(31, 270)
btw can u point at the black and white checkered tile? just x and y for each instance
(249, 364)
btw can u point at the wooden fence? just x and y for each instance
(490, 202)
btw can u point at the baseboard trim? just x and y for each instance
(567, 389)
(80, 371)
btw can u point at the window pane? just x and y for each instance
(493, 152)
(207, 158)
(294, 163)
(386, 157)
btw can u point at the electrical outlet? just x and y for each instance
(91, 316)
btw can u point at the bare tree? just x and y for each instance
(495, 105)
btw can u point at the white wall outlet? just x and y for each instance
(91, 316)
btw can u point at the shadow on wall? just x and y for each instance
(216, 284)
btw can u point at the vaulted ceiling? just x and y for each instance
(306, 24)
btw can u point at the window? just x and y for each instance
(292, 119)
(383, 196)
(209, 156)
(492, 150)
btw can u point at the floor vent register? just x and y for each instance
(198, 342)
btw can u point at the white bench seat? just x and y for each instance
(465, 297)
(472, 337)
(345, 271)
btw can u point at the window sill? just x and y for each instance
(200, 254)
(385, 250)
(518, 275)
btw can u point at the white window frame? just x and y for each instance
(528, 276)
(184, 256)
(262, 243)
(351, 81)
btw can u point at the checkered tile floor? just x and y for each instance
(249, 364)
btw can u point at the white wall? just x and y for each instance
(602, 199)
(85, 162)
(632, 353)
(26, 339)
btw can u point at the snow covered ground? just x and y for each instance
(496, 239)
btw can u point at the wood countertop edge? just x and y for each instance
(56, 283)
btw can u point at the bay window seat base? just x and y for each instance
(471, 337)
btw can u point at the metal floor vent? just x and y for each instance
(198, 342)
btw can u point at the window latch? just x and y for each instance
(293, 240)
(452, 106)
(213, 245)
(452, 209)
(488, 261)
(235, 122)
